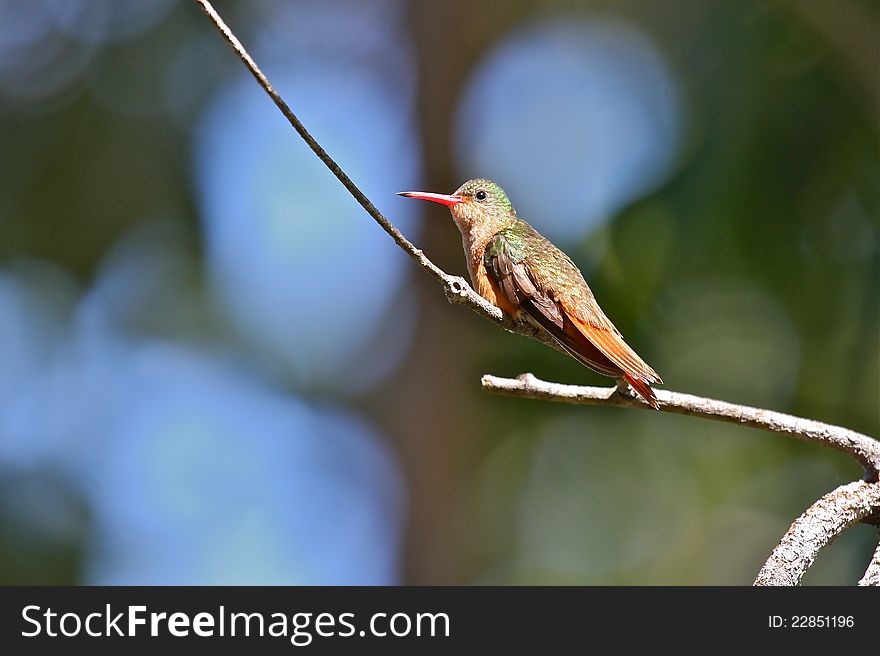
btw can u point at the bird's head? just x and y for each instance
(476, 203)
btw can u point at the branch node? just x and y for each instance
(457, 288)
(864, 449)
(527, 379)
(817, 527)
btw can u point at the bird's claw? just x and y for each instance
(623, 388)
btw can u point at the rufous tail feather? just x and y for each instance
(644, 390)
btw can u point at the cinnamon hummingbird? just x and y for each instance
(517, 269)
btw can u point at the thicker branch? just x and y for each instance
(861, 447)
(816, 528)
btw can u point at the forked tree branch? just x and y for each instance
(864, 449)
(861, 447)
(820, 524)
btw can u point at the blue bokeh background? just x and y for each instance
(215, 368)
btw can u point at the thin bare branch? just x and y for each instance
(456, 288)
(816, 528)
(864, 449)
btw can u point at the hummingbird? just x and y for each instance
(517, 269)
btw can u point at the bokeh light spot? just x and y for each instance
(575, 117)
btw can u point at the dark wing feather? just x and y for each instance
(508, 268)
(596, 345)
(505, 262)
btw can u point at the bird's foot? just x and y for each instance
(624, 389)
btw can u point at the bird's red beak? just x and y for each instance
(443, 199)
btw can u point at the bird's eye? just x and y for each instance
(480, 195)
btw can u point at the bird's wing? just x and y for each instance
(514, 278)
(507, 266)
(573, 318)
